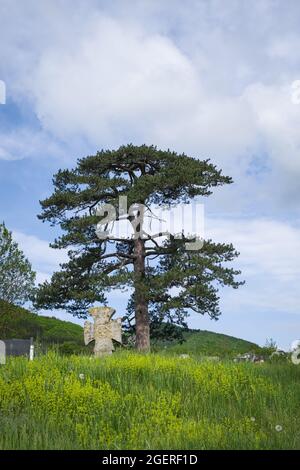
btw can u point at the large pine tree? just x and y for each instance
(167, 279)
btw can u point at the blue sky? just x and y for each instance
(210, 78)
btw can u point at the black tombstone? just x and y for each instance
(18, 347)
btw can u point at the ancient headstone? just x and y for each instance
(103, 331)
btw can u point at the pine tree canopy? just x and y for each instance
(166, 280)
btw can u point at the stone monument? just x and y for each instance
(103, 331)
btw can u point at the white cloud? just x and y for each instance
(193, 77)
(121, 80)
(45, 260)
(277, 122)
(269, 260)
(25, 142)
(113, 81)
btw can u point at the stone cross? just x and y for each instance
(103, 331)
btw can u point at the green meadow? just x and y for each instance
(155, 401)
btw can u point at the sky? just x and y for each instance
(213, 79)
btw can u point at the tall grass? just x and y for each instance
(131, 401)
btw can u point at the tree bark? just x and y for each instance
(142, 324)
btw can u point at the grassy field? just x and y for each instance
(131, 401)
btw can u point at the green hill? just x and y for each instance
(207, 343)
(17, 322)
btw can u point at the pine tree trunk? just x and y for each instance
(142, 326)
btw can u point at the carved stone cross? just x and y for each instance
(103, 331)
